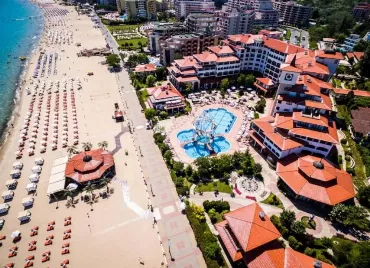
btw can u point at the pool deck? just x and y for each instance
(186, 122)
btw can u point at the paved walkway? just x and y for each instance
(176, 236)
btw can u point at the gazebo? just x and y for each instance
(90, 166)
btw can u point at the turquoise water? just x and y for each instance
(223, 119)
(224, 122)
(18, 34)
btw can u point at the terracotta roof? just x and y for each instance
(250, 230)
(244, 38)
(282, 46)
(145, 68)
(359, 93)
(164, 92)
(306, 62)
(290, 68)
(350, 55)
(221, 49)
(229, 241)
(284, 258)
(265, 80)
(316, 179)
(89, 165)
(361, 120)
(206, 57)
(358, 55)
(225, 59)
(187, 61)
(322, 54)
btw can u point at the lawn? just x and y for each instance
(274, 201)
(124, 27)
(212, 186)
(134, 42)
(307, 223)
(288, 34)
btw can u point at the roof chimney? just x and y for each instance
(317, 264)
(261, 215)
(293, 60)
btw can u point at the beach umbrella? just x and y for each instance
(43, 142)
(55, 135)
(15, 234)
(15, 172)
(17, 165)
(36, 169)
(17, 152)
(31, 146)
(30, 151)
(32, 140)
(39, 161)
(34, 177)
(23, 131)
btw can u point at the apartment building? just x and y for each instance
(266, 15)
(151, 8)
(291, 13)
(351, 41)
(235, 21)
(271, 34)
(186, 45)
(163, 31)
(361, 11)
(201, 23)
(204, 70)
(184, 8)
(136, 8)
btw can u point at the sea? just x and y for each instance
(21, 26)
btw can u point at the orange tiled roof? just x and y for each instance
(187, 61)
(206, 57)
(282, 46)
(229, 241)
(284, 258)
(359, 93)
(358, 55)
(150, 67)
(265, 80)
(322, 54)
(164, 92)
(225, 59)
(221, 49)
(250, 230)
(326, 184)
(306, 62)
(290, 68)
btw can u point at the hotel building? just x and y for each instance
(184, 8)
(291, 13)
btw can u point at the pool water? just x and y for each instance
(224, 121)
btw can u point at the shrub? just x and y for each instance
(347, 158)
(310, 252)
(351, 171)
(294, 243)
(343, 141)
(217, 205)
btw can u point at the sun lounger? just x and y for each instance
(68, 218)
(31, 257)
(12, 254)
(32, 248)
(33, 233)
(66, 223)
(50, 237)
(28, 264)
(65, 251)
(48, 242)
(66, 236)
(32, 243)
(2, 237)
(9, 265)
(66, 245)
(15, 248)
(50, 228)
(51, 223)
(45, 259)
(68, 231)
(46, 253)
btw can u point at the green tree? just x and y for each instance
(257, 168)
(298, 228)
(167, 156)
(113, 60)
(160, 72)
(68, 193)
(364, 196)
(294, 243)
(241, 80)
(163, 115)
(365, 63)
(189, 171)
(188, 87)
(212, 251)
(71, 150)
(361, 46)
(103, 145)
(86, 146)
(150, 80)
(178, 167)
(249, 80)
(224, 84)
(287, 218)
(105, 183)
(150, 113)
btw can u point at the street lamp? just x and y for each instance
(169, 249)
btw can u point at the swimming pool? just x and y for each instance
(223, 119)
(196, 146)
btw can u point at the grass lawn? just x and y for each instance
(288, 34)
(274, 201)
(124, 27)
(134, 42)
(307, 223)
(210, 187)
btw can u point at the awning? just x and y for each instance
(55, 187)
(60, 161)
(58, 169)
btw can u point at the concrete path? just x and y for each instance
(176, 236)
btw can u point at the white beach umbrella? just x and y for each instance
(17, 165)
(39, 161)
(17, 152)
(23, 131)
(36, 169)
(15, 234)
(34, 177)
(15, 172)
(30, 150)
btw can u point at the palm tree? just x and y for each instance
(90, 189)
(68, 193)
(103, 145)
(71, 150)
(86, 146)
(105, 182)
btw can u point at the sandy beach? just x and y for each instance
(118, 231)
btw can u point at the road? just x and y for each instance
(175, 233)
(302, 35)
